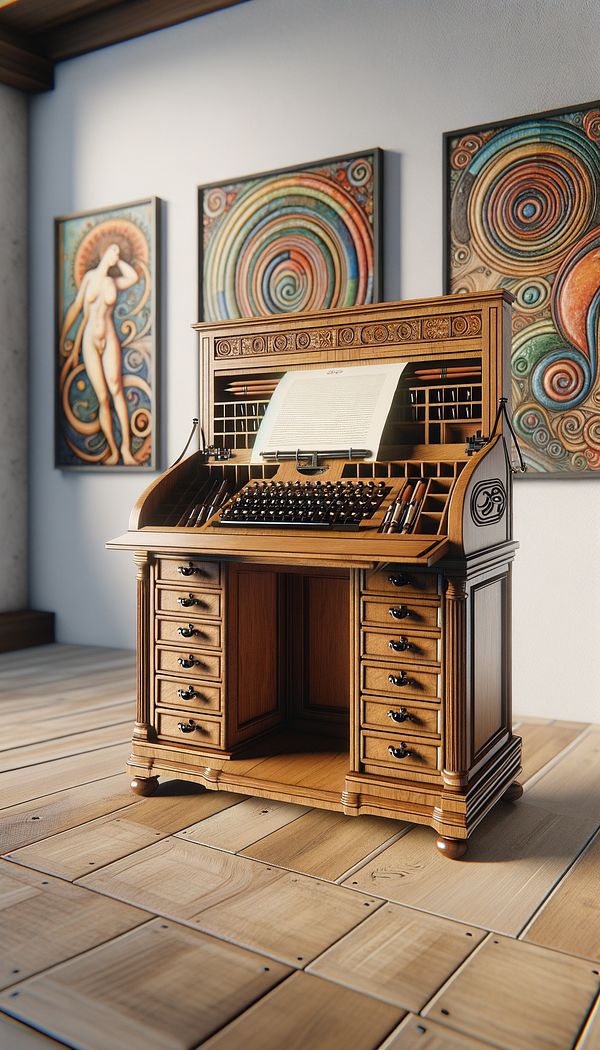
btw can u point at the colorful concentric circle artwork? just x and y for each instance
(524, 214)
(303, 239)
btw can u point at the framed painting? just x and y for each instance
(298, 239)
(522, 200)
(107, 338)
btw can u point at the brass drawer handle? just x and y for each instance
(398, 679)
(399, 646)
(186, 727)
(400, 612)
(401, 715)
(189, 662)
(190, 600)
(402, 580)
(187, 632)
(399, 752)
(189, 569)
(187, 694)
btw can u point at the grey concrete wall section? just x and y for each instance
(13, 351)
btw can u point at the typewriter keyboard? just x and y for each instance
(302, 505)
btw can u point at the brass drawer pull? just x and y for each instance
(189, 662)
(400, 645)
(396, 679)
(187, 632)
(401, 715)
(187, 694)
(399, 752)
(189, 569)
(402, 580)
(400, 612)
(186, 727)
(190, 600)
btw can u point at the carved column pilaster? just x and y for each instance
(456, 761)
(143, 727)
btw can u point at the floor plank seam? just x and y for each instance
(65, 736)
(556, 759)
(94, 780)
(555, 887)
(581, 1039)
(371, 856)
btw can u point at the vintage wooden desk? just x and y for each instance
(352, 670)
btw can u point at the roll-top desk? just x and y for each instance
(359, 671)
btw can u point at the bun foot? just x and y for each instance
(514, 792)
(144, 785)
(454, 849)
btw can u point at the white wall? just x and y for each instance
(273, 83)
(13, 350)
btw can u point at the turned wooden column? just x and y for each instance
(456, 762)
(143, 726)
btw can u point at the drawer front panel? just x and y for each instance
(375, 749)
(194, 696)
(190, 634)
(400, 645)
(401, 581)
(401, 614)
(177, 570)
(394, 680)
(409, 718)
(189, 603)
(191, 663)
(180, 726)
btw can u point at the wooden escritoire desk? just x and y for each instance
(356, 671)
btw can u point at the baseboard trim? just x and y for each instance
(25, 628)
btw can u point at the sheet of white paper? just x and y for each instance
(329, 408)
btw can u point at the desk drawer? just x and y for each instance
(193, 696)
(191, 663)
(176, 570)
(400, 645)
(399, 680)
(376, 750)
(401, 614)
(189, 604)
(188, 633)
(401, 580)
(409, 718)
(179, 726)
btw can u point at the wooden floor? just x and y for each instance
(197, 918)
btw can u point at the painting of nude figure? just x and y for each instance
(106, 303)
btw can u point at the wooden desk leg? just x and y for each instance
(513, 793)
(454, 849)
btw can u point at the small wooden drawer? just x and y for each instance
(399, 680)
(192, 663)
(190, 604)
(398, 755)
(180, 726)
(400, 645)
(176, 570)
(189, 633)
(408, 719)
(401, 580)
(401, 614)
(194, 696)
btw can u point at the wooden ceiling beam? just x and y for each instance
(123, 21)
(21, 66)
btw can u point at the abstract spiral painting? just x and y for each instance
(523, 208)
(301, 239)
(106, 296)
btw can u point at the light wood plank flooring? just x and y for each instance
(211, 919)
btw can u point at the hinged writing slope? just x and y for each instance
(361, 612)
